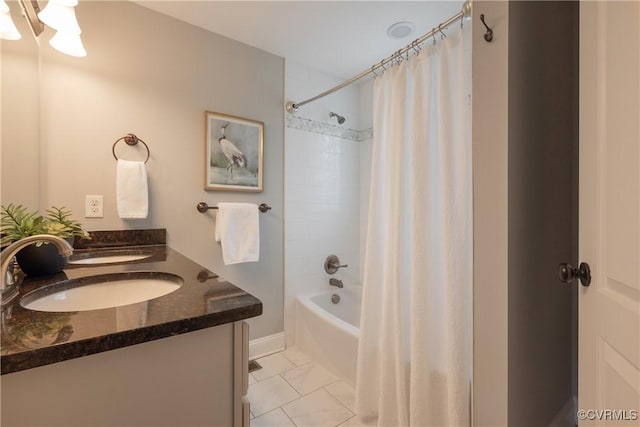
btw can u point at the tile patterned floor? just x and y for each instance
(291, 390)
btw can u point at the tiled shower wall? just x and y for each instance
(365, 152)
(323, 170)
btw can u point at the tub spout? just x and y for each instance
(336, 282)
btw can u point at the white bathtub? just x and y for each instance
(329, 332)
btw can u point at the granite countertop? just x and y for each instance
(35, 338)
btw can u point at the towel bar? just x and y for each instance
(203, 207)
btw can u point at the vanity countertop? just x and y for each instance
(34, 338)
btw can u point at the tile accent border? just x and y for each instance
(365, 134)
(315, 126)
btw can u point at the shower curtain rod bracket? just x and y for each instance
(291, 107)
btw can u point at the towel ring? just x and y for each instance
(132, 140)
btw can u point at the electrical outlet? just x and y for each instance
(93, 207)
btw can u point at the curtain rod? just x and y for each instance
(292, 107)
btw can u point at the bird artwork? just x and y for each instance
(232, 153)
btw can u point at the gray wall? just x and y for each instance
(490, 204)
(525, 211)
(20, 130)
(543, 207)
(155, 76)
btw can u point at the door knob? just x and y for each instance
(568, 273)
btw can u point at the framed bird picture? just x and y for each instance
(233, 153)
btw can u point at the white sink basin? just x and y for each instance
(108, 257)
(101, 291)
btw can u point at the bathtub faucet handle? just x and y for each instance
(332, 264)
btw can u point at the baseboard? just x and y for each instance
(266, 345)
(566, 416)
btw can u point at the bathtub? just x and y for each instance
(329, 332)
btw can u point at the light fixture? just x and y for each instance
(8, 30)
(71, 44)
(30, 10)
(61, 16)
(400, 30)
(57, 14)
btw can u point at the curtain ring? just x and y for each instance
(442, 35)
(373, 71)
(433, 34)
(382, 65)
(416, 47)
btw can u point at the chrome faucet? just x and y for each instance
(336, 282)
(9, 291)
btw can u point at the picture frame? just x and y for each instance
(234, 153)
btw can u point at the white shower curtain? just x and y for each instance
(414, 360)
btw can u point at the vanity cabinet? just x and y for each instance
(178, 360)
(199, 378)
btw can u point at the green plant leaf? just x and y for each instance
(16, 223)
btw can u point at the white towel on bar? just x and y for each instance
(238, 231)
(132, 194)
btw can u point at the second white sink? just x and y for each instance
(101, 291)
(109, 257)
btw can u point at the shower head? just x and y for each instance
(338, 117)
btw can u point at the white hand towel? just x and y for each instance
(238, 231)
(132, 195)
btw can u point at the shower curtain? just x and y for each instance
(414, 360)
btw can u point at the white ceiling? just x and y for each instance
(339, 38)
